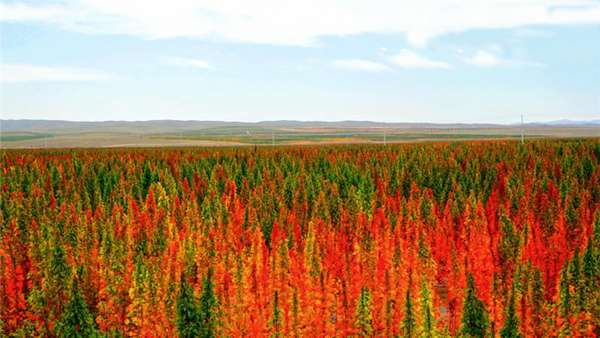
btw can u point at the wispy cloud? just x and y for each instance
(409, 59)
(363, 65)
(12, 73)
(486, 59)
(291, 22)
(183, 62)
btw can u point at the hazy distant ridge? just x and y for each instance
(567, 123)
(180, 125)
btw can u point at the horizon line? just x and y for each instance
(302, 121)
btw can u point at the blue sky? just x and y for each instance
(463, 61)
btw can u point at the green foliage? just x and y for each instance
(575, 281)
(77, 321)
(566, 306)
(275, 320)
(188, 313)
(208, 308)
(409, 322)
(364, 317)
(590, 290)
(511, 320)
(428, 327)
(475, 318)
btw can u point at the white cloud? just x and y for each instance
(19, 12)
(486, 59)
(364, 65)
(183, 62)
(483, 58)
(418, 37)
(17, 72)
(409, 59)
(532, 33)
(301, 23)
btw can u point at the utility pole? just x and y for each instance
(384, 135)
(522, 135)
(384, 138)
(46, 140)
(273, 138)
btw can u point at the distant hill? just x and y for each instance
(176, 126)
(571, 122)
(184, 126)
(564, 123)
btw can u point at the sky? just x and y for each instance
(469, 61)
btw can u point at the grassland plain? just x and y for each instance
(173, 133)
